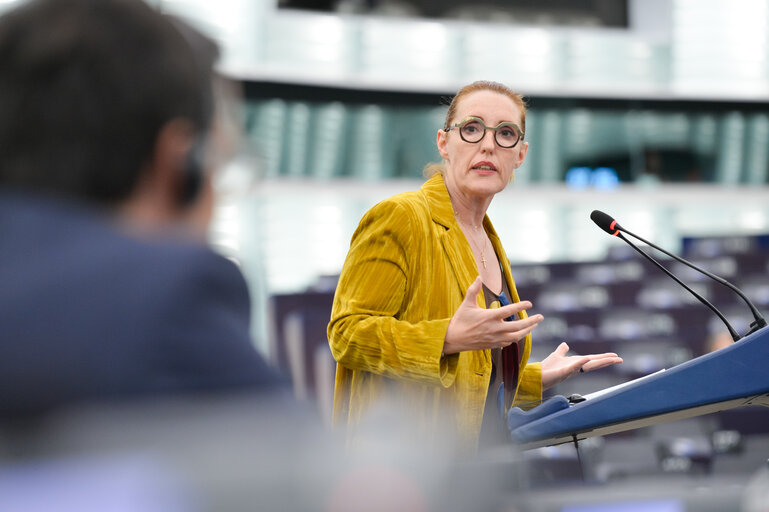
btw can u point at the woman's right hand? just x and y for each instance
(475, 328)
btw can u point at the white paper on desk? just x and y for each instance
(602, 392)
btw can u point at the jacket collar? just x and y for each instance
(454, 241)
(438, 199)
(441, 209)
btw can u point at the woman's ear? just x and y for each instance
(522, 154)
(441, 141)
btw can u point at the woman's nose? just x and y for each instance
(487, 141)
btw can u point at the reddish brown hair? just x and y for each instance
(484, 85)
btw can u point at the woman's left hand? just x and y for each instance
(558, 367)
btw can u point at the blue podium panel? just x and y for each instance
(731, 377)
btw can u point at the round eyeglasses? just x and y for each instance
(472, 130)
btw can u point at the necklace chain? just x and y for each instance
(470, 238)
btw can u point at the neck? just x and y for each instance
(142, 221)
(145, 212)
(470, 210)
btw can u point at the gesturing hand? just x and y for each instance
(475, 328)
(558, 367)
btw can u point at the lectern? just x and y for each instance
(734, 376)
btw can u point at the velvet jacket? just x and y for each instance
(406, 273)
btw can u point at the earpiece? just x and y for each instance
(194, 169)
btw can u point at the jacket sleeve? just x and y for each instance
(529, 391)
(366, 331)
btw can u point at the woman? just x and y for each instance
(402, 325)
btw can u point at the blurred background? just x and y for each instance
(654, 111)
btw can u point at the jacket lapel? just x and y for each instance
(500, 251)
(454, 242)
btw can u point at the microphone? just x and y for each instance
(604, 220)
(611, 226)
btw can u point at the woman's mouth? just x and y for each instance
(484, 168)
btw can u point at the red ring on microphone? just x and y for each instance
(611, 226)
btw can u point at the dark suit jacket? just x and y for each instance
(89, 313)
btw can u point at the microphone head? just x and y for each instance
(605, 222)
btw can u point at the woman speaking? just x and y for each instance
(426, 314)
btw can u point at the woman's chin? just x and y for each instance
(487, 185)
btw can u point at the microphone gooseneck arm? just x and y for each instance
(699, 297)
(759, 321)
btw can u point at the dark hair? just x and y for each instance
(86, 86)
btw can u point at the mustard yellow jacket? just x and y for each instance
(406, 273)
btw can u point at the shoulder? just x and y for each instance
(399, 211)
(391, 229)
(199, 310)
(190, 272)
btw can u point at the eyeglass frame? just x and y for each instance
(466, 120)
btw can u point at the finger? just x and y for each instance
(472, 293)
(562, 349)
(511, 309)
(579, 363)
(571, 364)
(515, 336)
(597, 364)
(517, 325)
(608, 357)
(599, 356)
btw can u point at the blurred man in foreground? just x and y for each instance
(107, 146)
